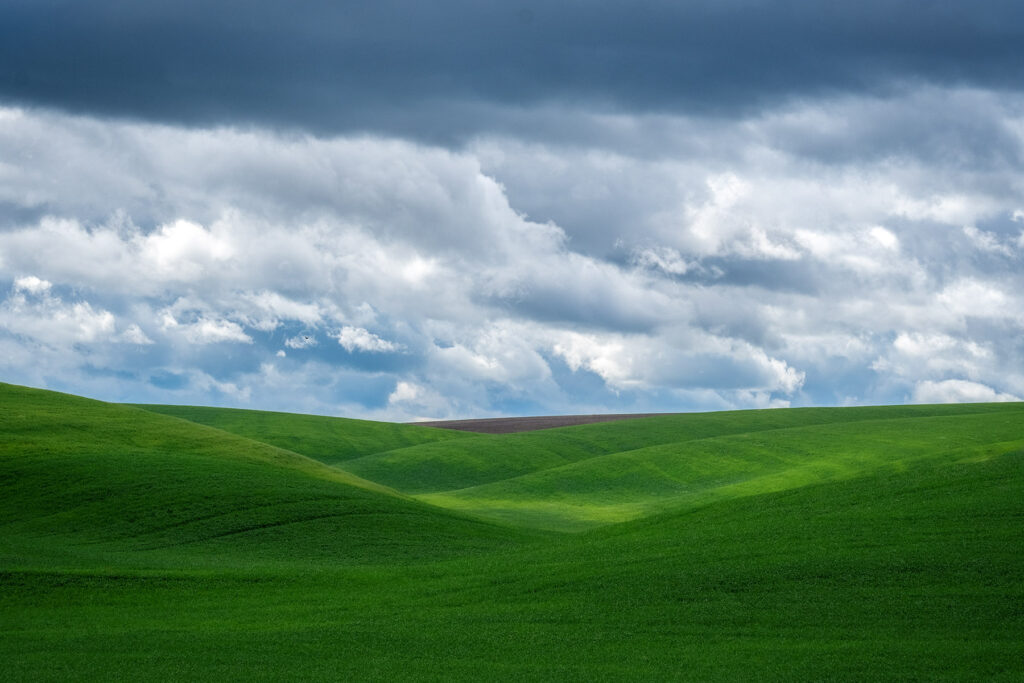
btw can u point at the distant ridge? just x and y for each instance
(509, 425)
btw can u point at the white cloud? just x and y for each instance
(986, 241)
(871, 251)
(184, 250)
(206, 331)
(412, 402)
(504, 352)
(302, 341)
(32, 285)
(951, 208)
(357, 338)
(270, 308)
(404, 392)
(728, 222)
(133, 334)
(664, 258)
(958, 391)
(609, 358)
(977, 298)
(884, 237)
(203, 382)
(734, 263)
(417, 270)
(90, 324)
(49, 320)
(632, 363)
(212, 331)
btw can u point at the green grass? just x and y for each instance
(483, 459)
(331, 440)
(626, 485)
(91, 478)
(845, 544)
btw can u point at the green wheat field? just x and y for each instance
(186, 543)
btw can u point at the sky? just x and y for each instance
(431, 209)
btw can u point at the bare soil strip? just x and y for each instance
(508, 425)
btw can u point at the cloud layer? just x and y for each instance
(456, 68)
(404, 209)
(819, 252)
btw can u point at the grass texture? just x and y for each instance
(331, 440)
(809, 544)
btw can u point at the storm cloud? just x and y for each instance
(447, 70)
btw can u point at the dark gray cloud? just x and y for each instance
(435, 69)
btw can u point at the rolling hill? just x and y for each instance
(330, 440)
(841, 544)
(95, 477)
(579, 477)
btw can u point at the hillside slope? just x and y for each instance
(908, 573)
(83, 476)
(330, 440)
(875, 544)
(578, 477)
(482, 459)
(631, 484)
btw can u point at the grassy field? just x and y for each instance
(807, 544)
(330, 440)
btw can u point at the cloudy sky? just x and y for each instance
(402, 209)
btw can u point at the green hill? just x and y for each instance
(82, 475)
(579, 477)
(837, 544)
(331, 440)
(631, 484)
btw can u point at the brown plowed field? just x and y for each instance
(508, 425)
